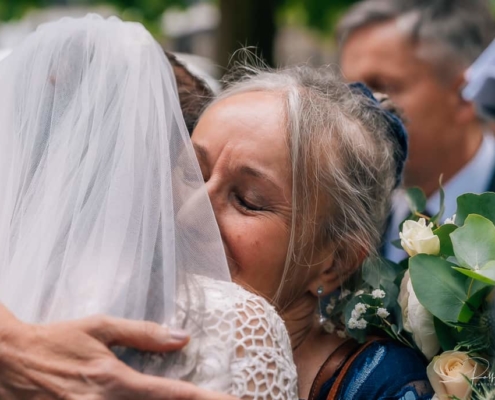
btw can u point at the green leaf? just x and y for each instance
(438, 216)
(392, 294)
(448, 336)
(376, 271)
(443, 234)
(439, 288)
(416, 199)
(477, 293)
(474, 243)
(485, 274)
(469, 203)
(396, 244)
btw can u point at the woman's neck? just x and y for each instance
(299, 318)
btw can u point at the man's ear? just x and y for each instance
(194, 92)
(465, 110)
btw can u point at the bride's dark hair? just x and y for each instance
(194, 92)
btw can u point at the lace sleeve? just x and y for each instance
(240, 347)
(263, 367)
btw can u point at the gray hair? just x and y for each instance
(340, 152)
(452, 33)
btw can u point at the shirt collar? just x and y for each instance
(475, 177)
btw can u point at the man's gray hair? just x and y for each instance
(451, 32)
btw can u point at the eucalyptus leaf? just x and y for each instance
(447, 335)
(485, 275)
(397, 244)
(416, 199)
(438, 216)
(443, 234)
(439, 288)
(478, 291)
(470, 203)
(376, 271)
(474, 243)
(391, 294)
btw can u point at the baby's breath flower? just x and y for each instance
(361, 308)
(341, 334)
(344, 293)
(450, 220)
(329, 326)
(378, 294)
(382, 312)
(352, 323)
(361, 323)
(359, 293)
(355, 314)
(329, 308)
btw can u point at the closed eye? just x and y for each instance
(243, 203)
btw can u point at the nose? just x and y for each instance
(198, 239)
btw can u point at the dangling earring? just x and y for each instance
(321, 317)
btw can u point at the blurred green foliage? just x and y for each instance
(321, 15)
(148, 10)
(13, 9)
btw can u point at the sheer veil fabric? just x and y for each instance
(103, 208)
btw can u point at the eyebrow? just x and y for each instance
(202, 154)
(256, 173)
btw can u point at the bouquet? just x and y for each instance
(438, 299)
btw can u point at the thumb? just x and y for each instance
(141, 335)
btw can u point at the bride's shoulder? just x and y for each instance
(262, 366)
(252, 313)
(238, 297)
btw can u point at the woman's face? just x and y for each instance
(241, 146)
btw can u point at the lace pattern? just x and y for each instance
(263, 367)
(243, 347)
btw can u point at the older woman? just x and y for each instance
(300, 168)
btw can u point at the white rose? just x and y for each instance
(417, 319)
(418, 238)
(447, 373)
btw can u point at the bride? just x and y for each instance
(103, 209)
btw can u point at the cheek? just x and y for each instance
(257, 247)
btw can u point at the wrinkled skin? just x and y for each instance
(72, 360)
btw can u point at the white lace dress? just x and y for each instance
(239, 345)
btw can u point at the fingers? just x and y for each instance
(142, 335)
(153, 388)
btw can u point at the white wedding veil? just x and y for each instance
(103, 208)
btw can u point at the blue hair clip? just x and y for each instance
(396, 130)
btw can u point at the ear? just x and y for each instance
(338, 266)
(465, 110)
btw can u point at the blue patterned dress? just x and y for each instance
(384, 371)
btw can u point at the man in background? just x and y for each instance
(417, 52)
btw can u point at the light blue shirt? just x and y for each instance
(475, 177)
